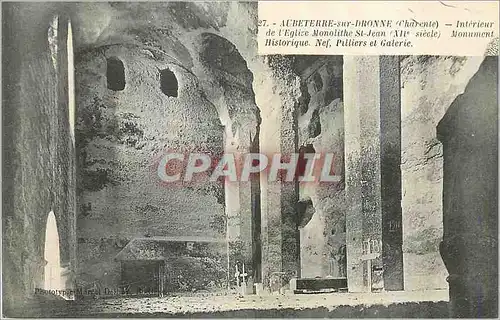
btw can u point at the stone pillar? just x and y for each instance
(373, 176)
(282, 240)
(290, 234)
(243, 209)
(280, 233)
(390, 174)
(239, 215)
(256, 217)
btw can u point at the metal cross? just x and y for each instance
(243, 274)
(369, 256)
(237, 275)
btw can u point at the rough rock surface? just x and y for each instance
(37, 149)
(469, 134)
(119, 138)
(429, 86)
(122, 134)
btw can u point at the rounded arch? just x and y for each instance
(228, 83)
(52, 254)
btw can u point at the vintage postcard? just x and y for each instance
(256, 159)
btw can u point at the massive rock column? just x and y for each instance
(373, 176)
(243, 209)
(280, 234)
(469, 133)
(282, 237)
(290, 234)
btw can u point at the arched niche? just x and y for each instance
(53, 272)
(115, 74)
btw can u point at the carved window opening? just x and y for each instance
(115, 74)
(168, 83)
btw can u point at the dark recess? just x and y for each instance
(115, 74)
(168, 83)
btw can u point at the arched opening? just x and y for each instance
(228, 84)
(320, 136)
(53, 272)
(168, 83)
(115, 74)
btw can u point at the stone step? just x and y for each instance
(318, 285)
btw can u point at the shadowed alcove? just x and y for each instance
(115, 74)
